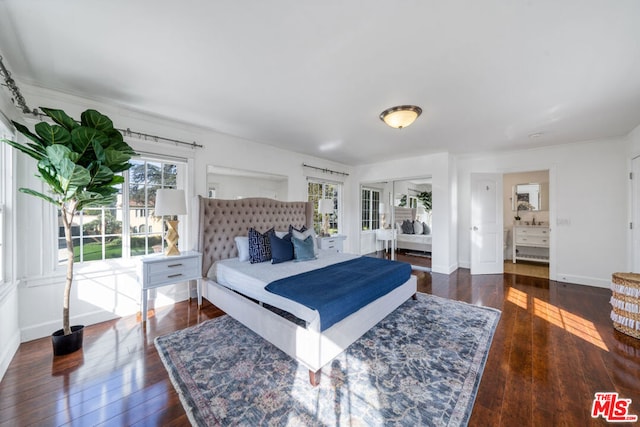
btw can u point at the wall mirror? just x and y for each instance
(527, 197)
(230, 183)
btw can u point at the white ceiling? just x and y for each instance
(314, 76)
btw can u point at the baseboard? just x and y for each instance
(45, 329)
(10, 348)
(583, 280)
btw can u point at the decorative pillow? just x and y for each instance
(426, 229)
(302, 234)
(399, 227)
(417, 227)
(407, 226)
(303, 249)
(242, 244)
(281, 248)
(259, 246)
(283, 234)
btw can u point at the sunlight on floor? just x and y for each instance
(570, 322)
(559, 317)
(517, 297)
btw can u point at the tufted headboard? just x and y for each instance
(402, 213)
(220, 221)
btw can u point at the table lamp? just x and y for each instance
(325, 207)
(171, 202)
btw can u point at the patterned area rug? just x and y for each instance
(420, 366)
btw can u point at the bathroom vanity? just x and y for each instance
(531, 243)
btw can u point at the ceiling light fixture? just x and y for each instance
(401, 116)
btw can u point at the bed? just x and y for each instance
(220, 221)
(410, 241)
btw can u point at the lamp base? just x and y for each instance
(172, 238)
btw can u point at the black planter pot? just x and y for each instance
(65, 344)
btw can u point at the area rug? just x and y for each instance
(421, 365)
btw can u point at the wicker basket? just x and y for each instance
(625, 303)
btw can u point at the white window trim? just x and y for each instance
(122, 265)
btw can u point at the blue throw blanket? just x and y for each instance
(341, 289)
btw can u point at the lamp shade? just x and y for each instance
(382, 208)
(401, 116)
(325, 206)
(170, 202)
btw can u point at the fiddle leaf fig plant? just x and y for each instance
(79, 162)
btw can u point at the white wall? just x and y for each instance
(588, 205)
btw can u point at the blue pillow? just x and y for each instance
(303, 249)
(259, 245)
(407, 227)
(281, 249)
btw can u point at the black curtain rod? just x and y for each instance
(325, 170)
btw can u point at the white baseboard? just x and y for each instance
(583, 280)
(47, 328)
(9, 350)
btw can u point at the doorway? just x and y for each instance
(526, 214)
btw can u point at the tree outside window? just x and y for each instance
(107, 233)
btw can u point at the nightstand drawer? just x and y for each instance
(334, 243)
(171, 271)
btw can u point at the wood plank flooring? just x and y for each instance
(553, 349)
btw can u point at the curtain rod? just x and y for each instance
(325, 170)
(20, 103)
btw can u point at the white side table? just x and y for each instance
(161, 270)
(334, 243)
(386, 235)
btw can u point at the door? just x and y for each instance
(487, 256)
(635, 204)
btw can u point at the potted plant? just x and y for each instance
(78, 161)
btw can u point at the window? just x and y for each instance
(325, 190)
(6, 191)
(129, 227)
(370, 209)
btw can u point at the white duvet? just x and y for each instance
(251, 279)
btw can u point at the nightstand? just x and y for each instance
(161, 270)
(386, 235)
(332, 242)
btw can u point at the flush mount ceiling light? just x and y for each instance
(401, 116)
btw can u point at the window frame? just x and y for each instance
(124, 210)
(336, 217)
(372, 211)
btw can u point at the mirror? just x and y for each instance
(230, 183)
(527, 197)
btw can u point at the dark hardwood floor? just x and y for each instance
(553, 349)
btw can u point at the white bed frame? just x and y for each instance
(220, 221)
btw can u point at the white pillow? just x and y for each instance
(417, 227)
(399, 227)
(242, 244)
(302, 236)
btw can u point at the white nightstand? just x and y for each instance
(160, 270)
(386, 235)
(332, 242)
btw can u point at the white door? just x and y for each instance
(635, 183)
(487, 255)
